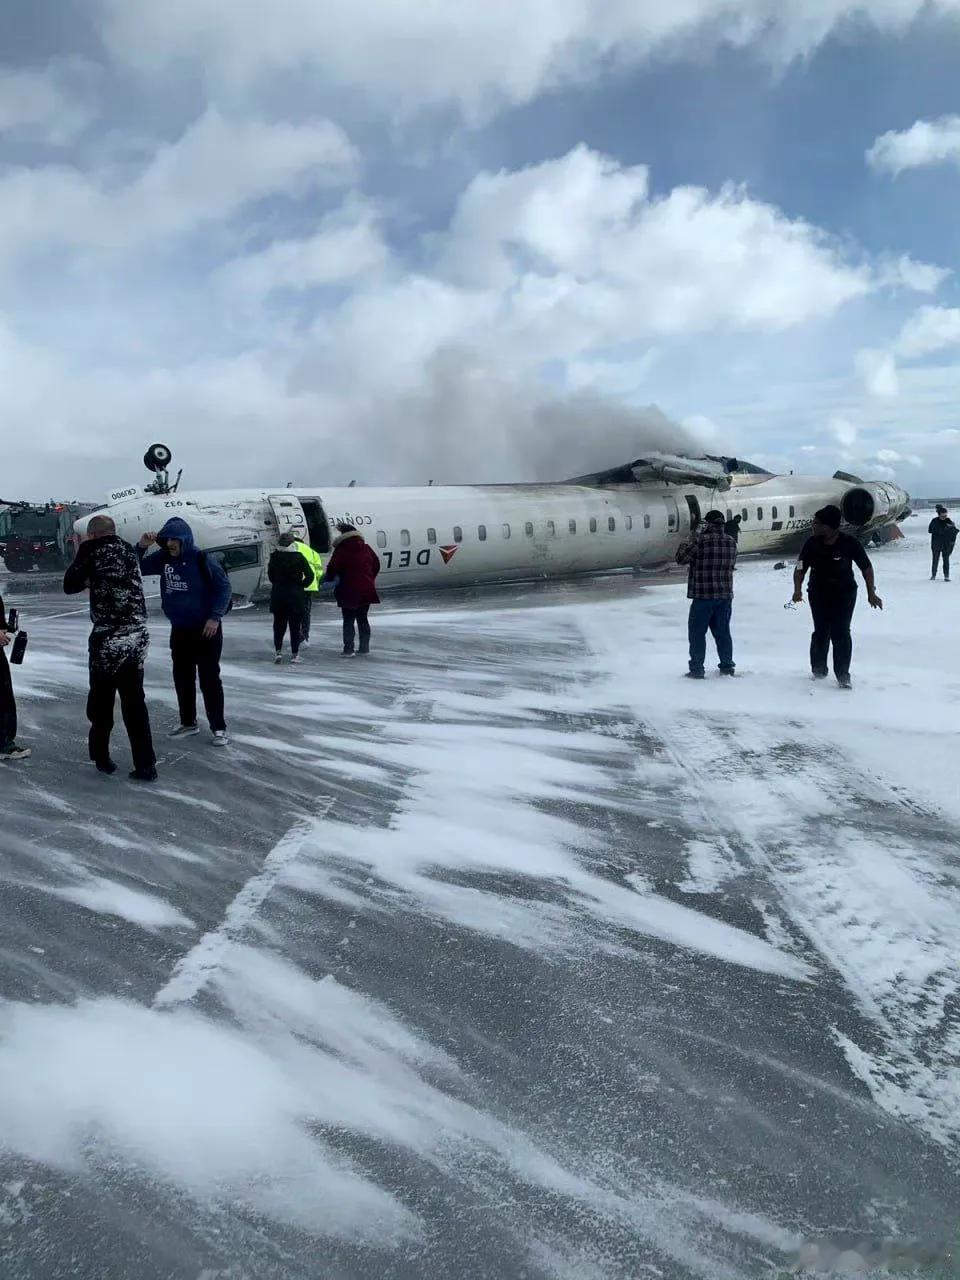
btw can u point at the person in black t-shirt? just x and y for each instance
(830, 556)
(943, 537)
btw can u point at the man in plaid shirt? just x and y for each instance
(711, 555)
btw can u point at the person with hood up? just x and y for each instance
(9, 750)
(353, 568)
(712, 556)
(315, 561)
(290, 575)
(118, 644)
(830, 556)
(195, 595)
(943, 537)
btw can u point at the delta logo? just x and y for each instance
(449, 552)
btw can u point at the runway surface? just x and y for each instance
(506, 952)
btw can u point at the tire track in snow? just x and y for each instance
(882, 911)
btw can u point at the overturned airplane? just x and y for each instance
(634, 516)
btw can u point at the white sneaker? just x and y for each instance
(184, 731)
(278, 657)
(296, 659)
(220, 738)
(16, 753)
(304, 643)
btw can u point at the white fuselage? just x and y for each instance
(452, 535)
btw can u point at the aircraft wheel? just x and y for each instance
(157, 458)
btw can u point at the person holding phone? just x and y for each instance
(9, 749)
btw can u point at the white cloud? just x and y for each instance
(878, 372)
(906, 273)
(924, 143)
(347, 244)
(892, 456)
(843, 431)
(585, 255)
(215, 168)
(475, 55)
(928, 330)
(52, 105)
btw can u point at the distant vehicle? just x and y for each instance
(634, 516)
(39, 538)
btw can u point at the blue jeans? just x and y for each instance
(715, 616)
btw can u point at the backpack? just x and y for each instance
(208, 576)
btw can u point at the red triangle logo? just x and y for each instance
(449, 552)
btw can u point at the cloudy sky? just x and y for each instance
(476, 239)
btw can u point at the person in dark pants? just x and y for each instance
(9, 750)
(289, 575)
(108, 567)
(711, 555)
(943, 537)
(315, 561)
(830, 555)
(195, 596)
(354, 567)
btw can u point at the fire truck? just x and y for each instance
(39, 538)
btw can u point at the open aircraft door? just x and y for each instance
(673, 515)
(289, 515)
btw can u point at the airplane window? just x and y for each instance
(759, 513)
(432, 536)
(506, 531)
(593, 524)
(611, 523)
(404, 537)
(773, 513)
(646, 522)
(457, 533)
(243, 557)
(629, 522)
(745, 513)
(528, 529)
(551, 529)
(482, 532)
(729, 514)
(573, 526)
(792, 513)
(381, 538)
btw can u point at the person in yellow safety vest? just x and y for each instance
(315, 561)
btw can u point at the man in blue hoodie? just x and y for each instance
(194, 594)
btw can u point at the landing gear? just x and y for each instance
(157, 459)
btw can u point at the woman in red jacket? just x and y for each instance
(354, 566)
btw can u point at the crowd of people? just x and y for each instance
(195, 597)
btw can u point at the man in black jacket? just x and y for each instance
(118, 644)
(8, 706)
(943, 537)
(289, 575)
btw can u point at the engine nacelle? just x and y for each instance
(870, 505)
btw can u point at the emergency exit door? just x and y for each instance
(289, 515)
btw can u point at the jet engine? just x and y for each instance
(870, 505)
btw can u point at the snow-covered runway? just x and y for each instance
(508, 953)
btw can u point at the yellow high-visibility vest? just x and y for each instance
(315, 561)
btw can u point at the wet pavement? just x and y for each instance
(474, 958)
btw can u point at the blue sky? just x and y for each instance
(477, 241)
